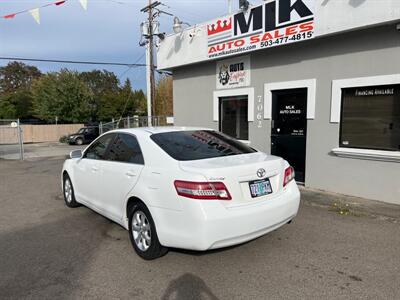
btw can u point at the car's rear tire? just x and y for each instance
(79, 141)
(68, 191)
(143, 233)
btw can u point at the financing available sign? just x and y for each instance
(233, 73)
(274, 23)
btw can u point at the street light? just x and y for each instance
(177, 27)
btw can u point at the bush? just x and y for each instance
(63, 139)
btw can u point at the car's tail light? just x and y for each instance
(202, 190)
(289, 176)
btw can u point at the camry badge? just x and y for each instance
(261, 173)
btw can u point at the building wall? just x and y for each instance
(370, 52)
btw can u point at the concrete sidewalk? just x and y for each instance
(348, 205)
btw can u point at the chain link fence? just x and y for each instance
(12, 134)
(11, 140)
(135, 122)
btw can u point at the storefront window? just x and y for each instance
(371, 118)
(234, 117)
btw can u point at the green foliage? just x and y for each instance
(125, 102)
(69, 95)
(100, 83)
(164, 96)
(61, 95)
(7, 109)
(15, 95)
(63, 139)
(17, 75)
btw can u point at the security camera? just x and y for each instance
(244, 5)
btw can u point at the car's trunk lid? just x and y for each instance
(237, 171)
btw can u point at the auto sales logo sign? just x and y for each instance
(275, 23)
(233, 73)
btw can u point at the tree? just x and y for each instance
(101, 84)
(17, 105)
(164, 97)
(17, 75)
(7, 109)
(63, 95)
(135, 100)
(15, 84)
(125, 102)
(71, 96)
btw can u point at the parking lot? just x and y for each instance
(48, 251)
(37, 150)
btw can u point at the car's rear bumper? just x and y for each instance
(204, 225)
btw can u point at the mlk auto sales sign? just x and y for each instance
(275, 23)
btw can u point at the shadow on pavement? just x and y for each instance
(188, 286)
(47, 260)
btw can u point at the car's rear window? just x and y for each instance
(199, 144)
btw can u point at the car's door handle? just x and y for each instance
(130, 174)
(95, 169)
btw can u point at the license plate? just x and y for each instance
(260, 188)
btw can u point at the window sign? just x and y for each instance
(233, 73)
(271, 24)
(371, 118)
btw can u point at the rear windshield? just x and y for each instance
(199, 144)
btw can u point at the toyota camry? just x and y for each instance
(189, 188)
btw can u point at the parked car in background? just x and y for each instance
(84, 135)
(189, 188)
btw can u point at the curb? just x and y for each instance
(346, 205)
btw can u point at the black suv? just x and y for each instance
(84, 135)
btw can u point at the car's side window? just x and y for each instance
(126, 148)
(98, 149)
(90, 131)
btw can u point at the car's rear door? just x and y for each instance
(120, 173)
(87, 173)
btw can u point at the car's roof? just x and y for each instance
(161, 129)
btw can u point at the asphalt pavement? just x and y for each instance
(37, 150)
(49, 251)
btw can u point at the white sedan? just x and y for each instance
(189, 188)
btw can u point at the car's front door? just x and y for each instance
(87, 174)
(120, 173)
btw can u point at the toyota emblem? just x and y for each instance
(261, 173)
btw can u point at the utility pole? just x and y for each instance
(150, 66)
(150, 28)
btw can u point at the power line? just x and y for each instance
(74, 62)
(130, 67)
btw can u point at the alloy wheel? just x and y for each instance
(68, 190)
(141, 231)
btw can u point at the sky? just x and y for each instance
(108, 31)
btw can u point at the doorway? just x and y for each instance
(289, 128)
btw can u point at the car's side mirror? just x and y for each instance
(76, 154)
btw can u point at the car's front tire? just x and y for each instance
(143, 234)
(68, 191)
(79, 141)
